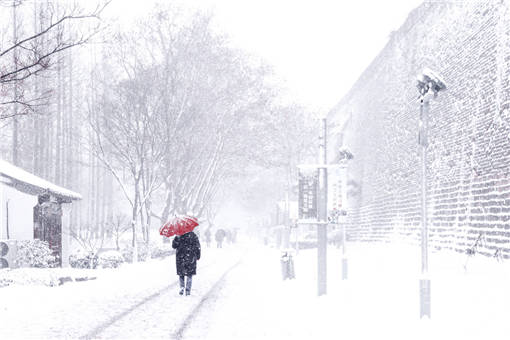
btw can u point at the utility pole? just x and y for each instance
(313, 205)
(322, 226)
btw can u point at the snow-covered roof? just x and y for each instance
(25, 181)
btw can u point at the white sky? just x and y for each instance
(319, 47)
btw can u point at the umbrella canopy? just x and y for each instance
(179, 225)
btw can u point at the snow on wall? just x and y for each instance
(17, 211)
(468, 43)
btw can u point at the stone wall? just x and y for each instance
(468, 43)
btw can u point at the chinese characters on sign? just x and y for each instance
(308, 189)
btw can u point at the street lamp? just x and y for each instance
(344, 156)
(429, 85)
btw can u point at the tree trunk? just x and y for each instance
(15, 126)
(142, 223)
(58, 136)
(133, 221)
(149, 219)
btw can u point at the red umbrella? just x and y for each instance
(179, 225)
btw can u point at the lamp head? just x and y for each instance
(344, 154)
(428, 80)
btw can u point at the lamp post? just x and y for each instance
(429, 85)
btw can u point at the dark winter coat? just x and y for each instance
(187, 252)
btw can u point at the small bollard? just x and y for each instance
(287, 263)
(424, 297)
(344, 268)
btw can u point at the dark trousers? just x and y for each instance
(188, 282)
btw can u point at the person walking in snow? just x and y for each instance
(187, 253)
(208, 237)
(228, 235)
(219, 236)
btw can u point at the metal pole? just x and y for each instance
(1, 208)
(286, 231)
(424, 231)
(429, 84)
(424, 280)
(322, 231)
(345, 267)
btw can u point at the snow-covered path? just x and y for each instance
(166, 314)
(239, 294)
(141, 292)
(379, 300)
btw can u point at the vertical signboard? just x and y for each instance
(336, 187)
(308, 190)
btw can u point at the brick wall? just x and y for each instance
(468, 43)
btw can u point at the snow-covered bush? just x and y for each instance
(35, 253)
(29, 277)
(4, 282)
(160, 250)
(127, 252)
(110, 259)
(83, 259)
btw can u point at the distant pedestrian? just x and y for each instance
(207, 235)
(219, 236)
(187, 254)
(228, 235)
(234, 236)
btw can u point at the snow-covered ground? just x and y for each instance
(379, 300)
(82, 309)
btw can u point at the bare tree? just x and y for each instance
(88, 241)
(36, 52)
(118, 227)
(124, 128)
(210, 95)
(181, 113)
(290, 134)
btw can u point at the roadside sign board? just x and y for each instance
(308, 192)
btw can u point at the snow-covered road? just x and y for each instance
(166, 314)
(239, 294)
(379, 300)
(144, 292)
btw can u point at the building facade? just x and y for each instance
(31, 207)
